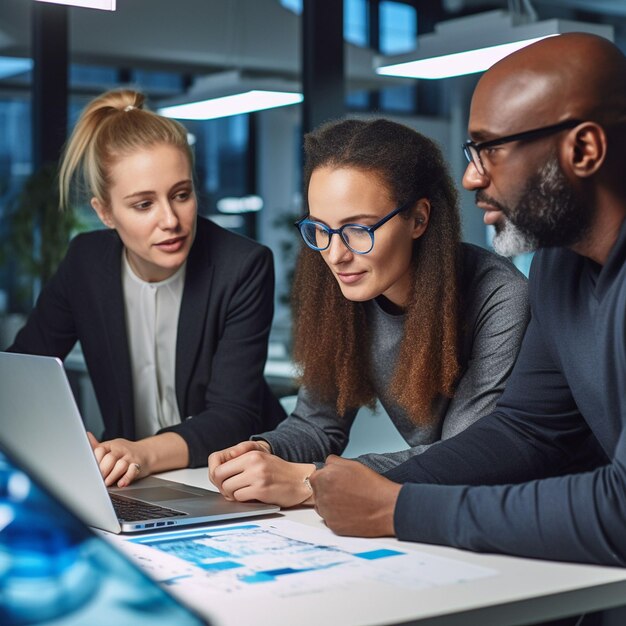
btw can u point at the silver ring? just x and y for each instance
(307, 482)
(137, 467)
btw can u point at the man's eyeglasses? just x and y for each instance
(471, 149)
(357, 237)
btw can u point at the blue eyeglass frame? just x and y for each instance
(339, 231)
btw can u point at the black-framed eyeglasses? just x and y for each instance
(471, 149)
(357, 237)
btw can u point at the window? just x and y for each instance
(355, 23)
(401, 99)
(15, 167)
(158, 81)
(14, 67)
(221, 151)
(221, 148)
(398, 27)
(97, 77)
(295, 6)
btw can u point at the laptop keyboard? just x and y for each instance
(131, 510)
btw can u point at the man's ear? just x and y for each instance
(421, 215)
(103, 212)
(587, 148)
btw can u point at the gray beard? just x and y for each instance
(549, 214)
(510, 241)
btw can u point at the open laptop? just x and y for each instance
(55, 570)
(41, 427)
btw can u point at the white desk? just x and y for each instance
(525, 591)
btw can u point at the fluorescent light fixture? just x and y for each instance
(474, 43)
(13, 66)
(105, 5)
(245, 204)
(457, 63)
(253, 100)
(228, 93)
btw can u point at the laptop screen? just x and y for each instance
(53, 568)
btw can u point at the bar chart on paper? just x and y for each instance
(284, 558)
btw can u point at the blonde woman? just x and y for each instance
(172, 312)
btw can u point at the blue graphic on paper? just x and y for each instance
(255, 554)
(373, 555)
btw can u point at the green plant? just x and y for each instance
(38, 231)
(288, 249)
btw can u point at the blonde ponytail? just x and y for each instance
(112, 126)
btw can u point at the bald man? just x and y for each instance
(547, 160)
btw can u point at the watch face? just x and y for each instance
(53, 568)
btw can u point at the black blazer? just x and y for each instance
(223, 328)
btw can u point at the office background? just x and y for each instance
(165, 48)
(54, 59)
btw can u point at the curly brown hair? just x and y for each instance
(331, 345)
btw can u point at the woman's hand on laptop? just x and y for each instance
(248, 471)
(122, 461)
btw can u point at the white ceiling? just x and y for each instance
(197, 36)
(615, 8)
(201, 36)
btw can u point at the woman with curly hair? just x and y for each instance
(388, 304)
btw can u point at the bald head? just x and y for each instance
(566, 188)
(569, 76)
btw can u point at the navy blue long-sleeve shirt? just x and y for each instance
(502, 485)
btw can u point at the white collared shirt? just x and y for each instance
(152, 311)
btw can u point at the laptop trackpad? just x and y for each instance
(159, 494)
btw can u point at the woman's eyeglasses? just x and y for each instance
(357, 237)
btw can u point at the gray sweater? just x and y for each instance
(494, 313)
